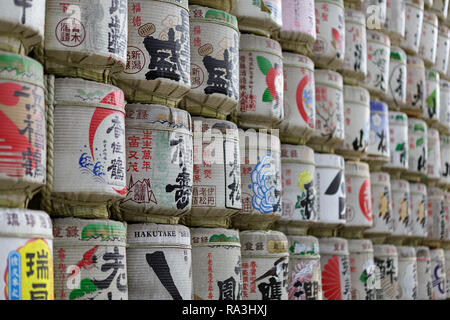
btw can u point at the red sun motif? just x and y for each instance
(271, 78)
(331, 279)
(365, 202)
(299, 98)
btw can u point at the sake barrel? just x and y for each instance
(447, 219)
(418, 146)
(159, 264)
(401, 208)
(23, 131)
(298, 188)
(260, 181)
(380, 186)
(415, 88)
(298, 31)
(375, 11)
(362, 269)
(214, 47)
(378, 56)
(394, 26)
(353, 4)
(431, 108)
(329, 129)
(424, 282)
(396, 93)
(434, 156)
(445, 160)
(428, 39)
(428, 3)
(335, 265)
(159, 164)
(225, 5)
(299, 99)
(329, 48)
(264, 255)
(158, 66)
(305, 276)
(413, 26)
(442, 50)
(331, 193)
(386, 261)
(216, 191)
(438, 273)
(444, 110)
(26, 255)
(407, 273)
(440, 7)
(22, 24)
(398, 142)
(436, 222)
(85, 39)
(357, 122)
(447, 272)
(379, 144)
(216, 264)
(89, 164)
(91, 259)
(354, 68)
(261, 82)
(258, 17)
(358, 213)
(418, 193)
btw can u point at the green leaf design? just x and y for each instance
(419, 142)
(400, 147)
(264, 64)
(86, 286)
(431, 100)
(419, 127)
(81, 91)
(95, 93)
(267, 97)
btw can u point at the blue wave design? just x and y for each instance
(264, 187)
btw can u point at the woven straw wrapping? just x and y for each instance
(407, 273)
(442, 50)
(418, 146)
(329, 49)
(401, 208)
(445, 160)
(26, 255)
(260, 181)
(261, 83)
(398, 141)
(214, 63)
(386, 260)
(379, 144)
(90, 259)
(305, 276)
(216, 264)
(432, 105)
(159, 164)
(444, 110)
(418, 192)
(216, 192)
(436, 220)
(424, 281)
(225, 5)
(86, 39)
(158, 66)
(429, 39)
(438, 273)
(21, 25)
(434, 156)
(396, 93)
(299, 99)
(89, 165)
(413, 26)
(22, 134)
(394, 26)
(363, 270)
(159, 262)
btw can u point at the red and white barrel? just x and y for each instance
(415, 88)
(440, 7)
(159, 262)
(158, 140)
(216, 264)
(401, 208)
(362, 269)
(418, 146)
(216, 190)
(26, 255)
(90, 259)
(434, 156)
(298, 32)
(398, 141)
(429, 39)
(438, 272)
(23, 131)
(444, 110)
(442, 50)
(305, 276)
(445, 160)
(418, 194)
(299, 193)
(299, 99)
(260, 181)
(264, 255)
(431, 108)
(354, 68)
(407, 273)
(86, 39)
(396, 93)
(261, 82)
(436, 215)
(335, 265)
(258, 17)
(394, 26)
(379, 144)
(357, 122)
(329, 49)
(329, 129)
(386, 261)
(424, 282)
(413, 26)
(214, 37)
(89, 165)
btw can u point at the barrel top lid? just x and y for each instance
(423, 252)
(418, 188)
(183, 3)
(437, 254)
(215, 127)
(95, 231)
(20, 68)
(290, 58)
(158, 234)
(376, 177)
(24, 223)
(433, 133)
(352, 15)
(378, 37)
(258, 140)
(357, 169)
(259, 43)
(303, 246)
(360, 245)
(208, 14)
(406, 252)
(212, 236)
(299, 153)
(329, 160)
(398, 118)
(357, 95)
(397, 53)
(400, 185)
(378, 106)
(328, 77)
(431, 18)
(263, 242)
(414, 61)
(384, 250)
(435, 192)
(333, 246)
